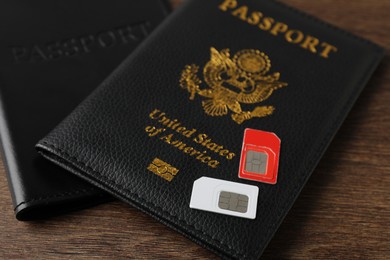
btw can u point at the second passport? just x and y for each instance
(52, 55)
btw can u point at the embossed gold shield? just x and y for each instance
(243, 79)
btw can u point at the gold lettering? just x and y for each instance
(310, 43)
(175, 126)
(200, 156)
(153, 131)
(266, 23)
(230, 156)
(172, 123)
(241, 12)
(279, 27)
(255, 17)
(179, 144)
(218, 149)
(224, 152)
(152, 115)
(195, 152)
(167, 138)
(211, 146)
(188, 150)
(294, 36)
(228, 4)
(149, 129)
(307, 42)
(200, 138)
(205, 159)
(164, 120)
(213, 164)
(206, 142)
(188, 133)
(180, 129)
(327, 49)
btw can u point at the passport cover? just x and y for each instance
(176, 111)
(52, 55)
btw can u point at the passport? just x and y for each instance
(166, 130)
(52, 55)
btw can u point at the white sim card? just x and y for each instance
(225, 197)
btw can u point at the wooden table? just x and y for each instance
(343, 212)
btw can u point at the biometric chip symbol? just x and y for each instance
(163, 169)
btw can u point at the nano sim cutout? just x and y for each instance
(260, 156)
(225, 197)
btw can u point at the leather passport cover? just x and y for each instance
(53, 53)
(177, 109)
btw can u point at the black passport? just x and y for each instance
(169, 123)
(53, 53)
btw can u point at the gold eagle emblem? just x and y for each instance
(243, 79)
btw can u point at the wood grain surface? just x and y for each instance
(342, 213)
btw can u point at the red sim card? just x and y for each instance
(260, 156)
